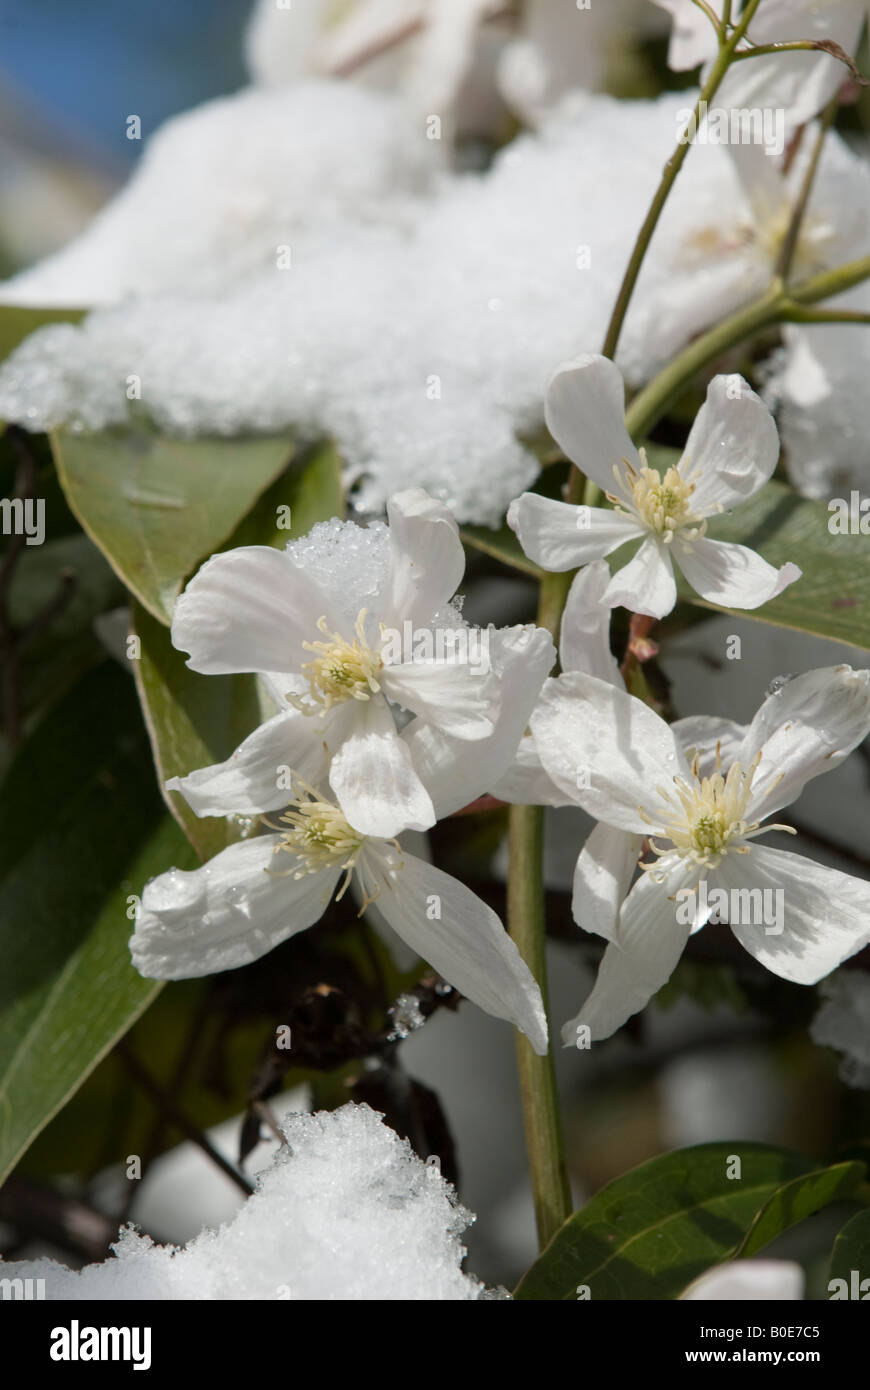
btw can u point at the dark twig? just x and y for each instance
(166, 1105)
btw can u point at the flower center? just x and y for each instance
(708, 816)
(319, 837)
(662, 503)
(341, 670)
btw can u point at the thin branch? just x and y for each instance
(165, 1103)
(802, 46)
(787, 250)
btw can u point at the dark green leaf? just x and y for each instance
(651, 1232)
(80, 833)
(798, 1199)
(852, 1253)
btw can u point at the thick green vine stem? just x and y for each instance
(778, 304)
(527, 925)
(537, 1075)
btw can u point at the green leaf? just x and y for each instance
(832, 598)
(310, 490)
(17, 322)
(852, 1251)
(652, 1231)
(798, 1199)
(55, 654)
(155, 507)
(80, 832)
(500, 545)
(196, 720)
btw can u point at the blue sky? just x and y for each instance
(86, 65)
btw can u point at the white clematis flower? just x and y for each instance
(730, 454)
(800, 83)
(259, 892)
(342, 654)
(584, 645)
(750, 1280)
(701, 813)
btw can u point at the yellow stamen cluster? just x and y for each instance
(709, 816)
(663, 504)
(341, 670)
(319, 837)
(713, 813)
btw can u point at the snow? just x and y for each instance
(422, 312)
(347, 1212)
(421, 338)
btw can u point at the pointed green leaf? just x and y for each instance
(798, 1199)
(852, 1252)
(156, 507)
(80, 832)
(651, 1232)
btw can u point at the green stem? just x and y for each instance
(537, 1075)
(671, 170)
(788, 249)
(777, 305)
(527, 925)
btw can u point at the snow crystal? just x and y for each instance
(418, 329)
(350, 562)
(351, 565)
(407, 1016)
(348, 1212)
(843, 1022)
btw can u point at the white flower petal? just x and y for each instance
(602, 878)
(798, 83)
(806, 727)
(606, 750)
(526, 783)
(693, 38)
(427, 561)
(585, 412)
(248, 609)
(650, 943)
(558, 536)
(225, 914)
(455, 696)
(731, 575)
(701, 734)
(249, 782)
(732, 447)
(463, 939)
(584, 640)
(374, 779)
(454, 774)
(646, 584)
(749, 1280)
(826, 913)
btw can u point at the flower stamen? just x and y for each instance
(341, 670)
